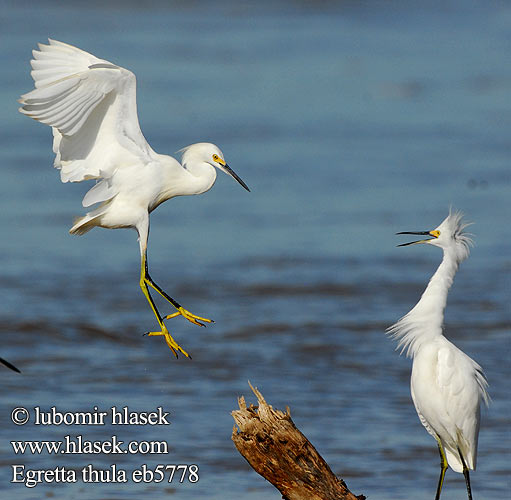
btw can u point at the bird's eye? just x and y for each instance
(215, 157)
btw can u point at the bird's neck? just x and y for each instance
(432, 304)
(182, 180)
(424, 322)
(200, 178)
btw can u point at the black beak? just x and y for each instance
(233, 174)
(420, 233)
(9, 365)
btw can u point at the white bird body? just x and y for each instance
(447, 386)
(91, 106)
(134, 191)
(444, 399)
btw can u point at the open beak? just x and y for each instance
(434, 234)
(228, 170)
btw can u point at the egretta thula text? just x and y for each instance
(447, 386)
(90, 104)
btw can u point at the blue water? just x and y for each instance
(349, 122)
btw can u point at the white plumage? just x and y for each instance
(91, 106)
(447, 386)
(74, 88)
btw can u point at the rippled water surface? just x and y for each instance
(349, 122)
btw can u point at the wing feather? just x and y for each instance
(90, 104)
(460, 389)
(51, 93)
(51, 113)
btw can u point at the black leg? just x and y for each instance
(181, 311)
(467, 476)
(173, 345)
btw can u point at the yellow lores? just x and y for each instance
(91, 106)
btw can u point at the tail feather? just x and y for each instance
(84, 224)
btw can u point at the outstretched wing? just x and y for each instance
(91, 105)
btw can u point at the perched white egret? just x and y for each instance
(91, 106)
(447, 386)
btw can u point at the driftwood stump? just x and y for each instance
(274, 447)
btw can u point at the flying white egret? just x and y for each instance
(91, 106)
(447, 386)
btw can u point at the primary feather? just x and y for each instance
(91, 106)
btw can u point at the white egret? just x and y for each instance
(446, 385)
(90, 104)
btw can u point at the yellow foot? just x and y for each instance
(173, 345)
(189, 316)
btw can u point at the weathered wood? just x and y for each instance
(274, 447)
